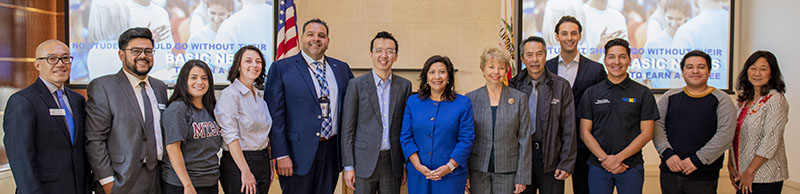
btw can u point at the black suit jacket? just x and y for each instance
(589, 74)
(42, 158)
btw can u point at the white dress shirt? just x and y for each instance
(52, 88)
(568, 70)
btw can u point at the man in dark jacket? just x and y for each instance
(44, 129)
(553, 119)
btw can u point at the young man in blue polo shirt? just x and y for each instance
(617, 118)
(694, 131)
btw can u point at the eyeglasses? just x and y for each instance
(387, 51)
(138, 51)
(52, 60)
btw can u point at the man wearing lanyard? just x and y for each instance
(304, 94)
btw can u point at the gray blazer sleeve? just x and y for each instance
(98, 125)
(524, 165)
(349, 118)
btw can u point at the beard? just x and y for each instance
(132, 67)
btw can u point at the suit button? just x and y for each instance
(431, 136)
(319, 116)
(317, 134)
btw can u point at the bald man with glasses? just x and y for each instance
(44, 128)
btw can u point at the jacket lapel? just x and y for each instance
(161, 95)
(125, 85)
(45, 95)
(302, 70)
(485, 107)
(581, 69)
(394, 97)
(76, 115)
(501, 107)
(372, 94)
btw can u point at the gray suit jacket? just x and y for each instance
(361, 124)
(511, 137)
(115, 129)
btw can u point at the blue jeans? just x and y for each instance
(628, 182)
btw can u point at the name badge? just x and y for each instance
(162, 107)
(602, 101)
(555, 101)
(324, 105)
(57, 112)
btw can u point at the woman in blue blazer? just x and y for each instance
(437, 132)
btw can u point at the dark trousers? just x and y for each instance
(231, 178)
(580, 183)
(603, 182)
(172, 189)
(766, 188)
(382, 180)
(673, 183)
(321, 178)
(544, 182)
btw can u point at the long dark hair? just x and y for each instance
(237, 62)
(449, 89)
(745, 88)
(181, 92)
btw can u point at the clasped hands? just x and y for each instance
(684, 166)
(613, 164)
(436, 174)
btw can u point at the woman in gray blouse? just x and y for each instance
(758, 157)
(245, 121)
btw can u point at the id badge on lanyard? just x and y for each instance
(324, 105)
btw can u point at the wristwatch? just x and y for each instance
(452, 168)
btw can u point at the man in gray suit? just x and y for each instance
(123, 131)
(372, 119)
(554, 135)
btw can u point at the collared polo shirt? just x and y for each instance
(616, 111)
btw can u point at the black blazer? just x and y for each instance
(42, 158)
(589, 74)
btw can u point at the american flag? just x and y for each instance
(287, 30)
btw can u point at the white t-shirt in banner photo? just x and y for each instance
(157, 19)
(252, 25)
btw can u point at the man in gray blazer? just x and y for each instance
(554, 134)
(372, 118)
(123, 131)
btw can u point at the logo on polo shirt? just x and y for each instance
(630, 100)
(602, 101)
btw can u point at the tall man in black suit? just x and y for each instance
(44, 125)
(372, 119)
(304, 94)
(581, 72)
